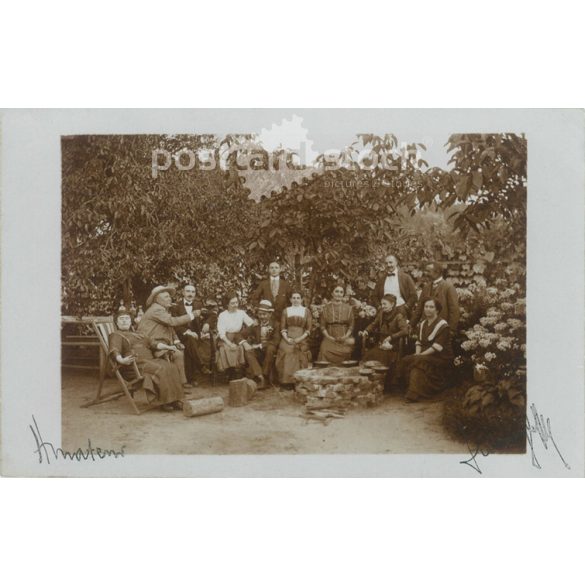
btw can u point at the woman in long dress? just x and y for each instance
(337, 327)
(234, 352)
(387, 328)
(161, 377)
(293, 350)
(427, 371)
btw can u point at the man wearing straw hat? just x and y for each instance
(158, 324)
(264, 338)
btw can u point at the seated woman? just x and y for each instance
(337, 327)
(388, 327)
(293, 350)
(426, 372)
(233, 352)
(161, 377)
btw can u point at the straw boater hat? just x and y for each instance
(265, 306)
(156, 291)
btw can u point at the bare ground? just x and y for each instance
(270, 424)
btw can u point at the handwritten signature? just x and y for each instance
(544, 432)
(46, 450)
(535, 427)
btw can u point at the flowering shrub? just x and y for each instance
(498, 341)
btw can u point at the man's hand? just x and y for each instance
(126, 361)
(179, 346)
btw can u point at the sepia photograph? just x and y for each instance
(247, 294)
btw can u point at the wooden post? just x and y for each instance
(203, 406)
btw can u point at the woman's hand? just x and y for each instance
(126, 361)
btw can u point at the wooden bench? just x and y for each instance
(99, 359)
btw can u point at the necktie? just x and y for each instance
(392, 274)
(274, 287)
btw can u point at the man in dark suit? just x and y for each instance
(264, 338)
(397, 283)
(189, 333)
(442, 290)
(274, 289)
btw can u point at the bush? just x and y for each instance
(493, 417)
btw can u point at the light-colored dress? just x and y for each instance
(337, 320)
(230, 325)
(295, 321)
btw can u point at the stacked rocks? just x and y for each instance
(339, 387)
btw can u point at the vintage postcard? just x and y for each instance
(293, 292)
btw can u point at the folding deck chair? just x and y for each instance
(129, 387)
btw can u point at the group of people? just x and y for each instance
(193, 337)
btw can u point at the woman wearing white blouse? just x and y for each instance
(233, 349)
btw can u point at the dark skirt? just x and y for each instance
(388, 358)
(162, 377)
(425, 376)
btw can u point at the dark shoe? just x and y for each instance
(167, 408)
(261, 383)
(177, 405)
(409, 400)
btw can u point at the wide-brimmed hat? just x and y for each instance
(265, 306)
(156, 291)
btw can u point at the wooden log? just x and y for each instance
(203, 406)
(251, 387)
(238, 395)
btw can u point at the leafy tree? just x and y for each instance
(125, 230)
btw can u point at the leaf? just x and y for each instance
(477, 180)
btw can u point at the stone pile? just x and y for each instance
(339, 387)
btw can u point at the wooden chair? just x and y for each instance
(129, 387)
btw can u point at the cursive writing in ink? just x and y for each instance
(47, 450)
(538, 427)
(472, 461)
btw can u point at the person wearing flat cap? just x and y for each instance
(264, 337)
(158, 324)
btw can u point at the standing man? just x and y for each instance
(189, 334)
(398, 283)
(158, 324)
(274, 289)
(442, 290)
